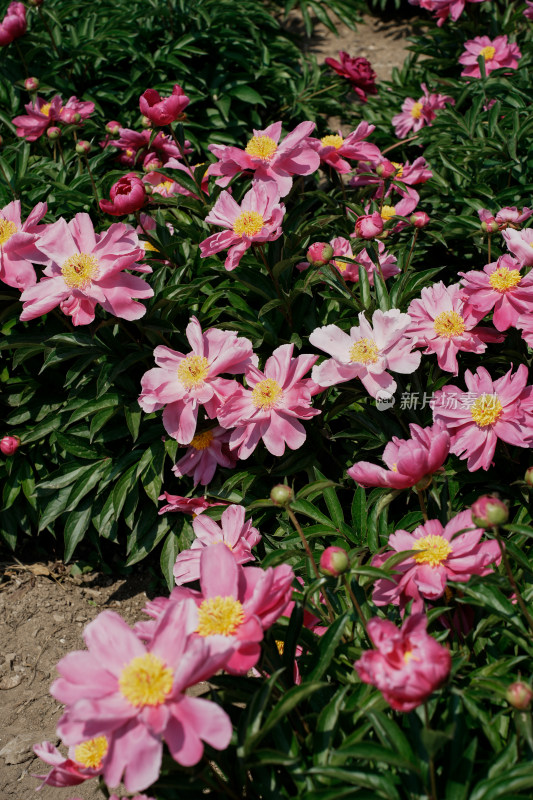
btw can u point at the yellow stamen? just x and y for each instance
(434, 550)
(193, 371)
(219, 615)
(408, 655)
(146, 681)
(486, 410)
(164, 186)
(45, 109)
(248, 223)
(91, 752)
(266, 394)
(449, 324)
(416, 110)
(487, 52)
(80, 270)
(364, 351)
(335, 141)
(503, 279)
(7, 229)
(281, 646)
(399, 169)
(340, 265)
(149, 247)
(387, 212)
(262, 147)
(129, 152)
(202, 440)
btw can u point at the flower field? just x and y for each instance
(285, 367)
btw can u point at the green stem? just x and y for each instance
(353, 598)
(432, 777)
(307, 549)
(422, 502)
(415, 237)
(512, 581)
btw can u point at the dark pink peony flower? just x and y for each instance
(409, 461)
(334, 149)
(368, 226)
(163, 110)
(40, 115)
(127, 195)
(185, 505)
(452, 553)
(207, 450)
(407, 665)
(497, 53)
(9, 445)
(14, 23)
(444, 8)
(356, 70)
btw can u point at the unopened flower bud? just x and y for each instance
(31, 84)
(70, 116)
(83, 147)
(386, 169)
(145, 122)
(9, 445)
(281, 494)
(519, 695)
(419, 219)
(489, 512)
(334, 561)
(528, 477)
(369, 226)
(53, 133)
(319, 253)
(489, 227)
(113, 127)
(153, 165)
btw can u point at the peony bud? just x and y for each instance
(334, 561)
(281, 494)
(113, 127)
(528, 477)
(419, 219)
(490, 226)
(53, 133)
(152, 165)
(519, 695)
(9, 445)
(83, 147)
(369, 226)
(145, 122)
(31, 84)
(489, 512)
(70, 116)
(319, 253)
(386, 169)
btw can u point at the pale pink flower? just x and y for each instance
(271, 407)
(350, 269)
(136, 696)
(182, 383)
(255, 221)
(452, 553)
(84, 761)
(409, 461)
(235, 603)
(367, 352)
(444, 8)
(207, 450)
(408, 664)
(489, 411)
(509, 215)
(525, 324)
(40, 114)
(387, 263)
(444, 323)
(497, 53)
(410, 174)
(335, 148)
(85, 269)
(267, 158)
(416, 114)
(18, 244)
(185, 505)
(165, 186)
(75, 110)
(238, 536)
(520, 243)
(501, 287)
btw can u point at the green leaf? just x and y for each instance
(169, 553)
(76, 526)
(328, 645)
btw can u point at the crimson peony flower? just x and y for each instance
(163, 110)
(127, 195)
(408, 664)
(356, 70)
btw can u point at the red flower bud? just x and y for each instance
(528, 477)
(83, 147)
(127, 195)
(70, 116)
(281, 494)
(9, 445)
(163, 110)
(54, 132)
(386, 169)
(369, 226)
(489, 512)
(519, 695)
(334, 561)
(113, 127)
(419, 219)
(319, 253)
(31, 84)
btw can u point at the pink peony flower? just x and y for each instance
(271, 407)
(510, 215)
(419, 219)
(403, 208)
(40, 114)
(528, 12)
(75, 110)
(18, 244)
(85, 269)
(444, 323)
(410, 461)
(14, 23)
(489, 411)
(9, 445)
(387, 263)
(334, 561)
(255, 221)
(136, 696)
(236, 603)
(334, 149)
(238, 536)
(182, 383)
(320, 253)
(416, 114)
(453, 553)
(502, 288)
(497, 53)
(349, 270)
(127, 195)
(163, 111)
(84, 761)
(520, 243)
(444, 8)
(368, 226)
(185, 505)
(207, 450)
(408, 664)
(135, 146)
(366, 352)
(268, 159)
(356, 70)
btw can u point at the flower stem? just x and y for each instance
(46, 25)
(422, 502)
(92, 183)
(511, 578)
(305, 543)
(415, 237)
(353, 598)
(432, 777)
